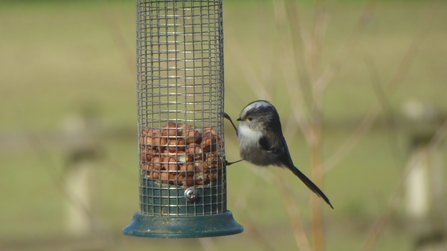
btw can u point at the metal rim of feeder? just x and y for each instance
(180, 93)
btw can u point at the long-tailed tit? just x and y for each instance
(262, 143)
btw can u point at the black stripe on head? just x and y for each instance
(264, 112)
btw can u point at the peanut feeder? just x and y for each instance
(180, 93)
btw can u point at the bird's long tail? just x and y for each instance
(310, 185)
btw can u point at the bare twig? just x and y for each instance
(290, 63)
(208, 244)
(316, 128)
(266, 39)
(386, 107)
(45, 158)
(316, 148)
(332, 71)
(250, 75)
(312, 128)
(294, 215)
(395, 82)
(386, 216)
(382, 222)
(401, 73)
(312, 43)
(439, 135)
(119, 39)
(255, 234)
(353, 139)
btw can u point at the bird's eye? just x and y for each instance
(250, 118)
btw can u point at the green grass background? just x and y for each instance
(58, 57)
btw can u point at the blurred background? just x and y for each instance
(360, 87)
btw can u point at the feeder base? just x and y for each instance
(183, 227)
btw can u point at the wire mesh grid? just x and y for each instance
(180, 98)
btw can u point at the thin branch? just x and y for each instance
(119, 39)
(378, 228)
(331, 72)
(255, 234)
(386, 107)
(295, 18)
(395, 82)
(439, 135)
(296, 95)
(208, 244)
(382, 222)
(45, 158)
(353, 140)
(293, 213)
(250, 75)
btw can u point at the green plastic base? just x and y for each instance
(183, 227)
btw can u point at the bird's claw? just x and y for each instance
(227, 163)
(225, 115)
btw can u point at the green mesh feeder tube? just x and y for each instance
(180, 97)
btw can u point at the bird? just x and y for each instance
(262, 143)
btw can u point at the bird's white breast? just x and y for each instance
(250, 149)
(248, 136)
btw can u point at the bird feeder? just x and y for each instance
(180, 97)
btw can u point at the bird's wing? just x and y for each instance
(269, 146)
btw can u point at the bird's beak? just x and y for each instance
(239, 119)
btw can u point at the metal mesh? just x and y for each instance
(180, 99)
